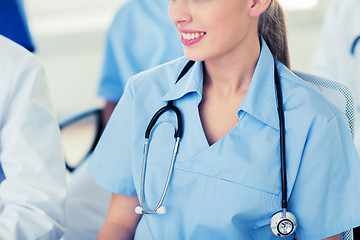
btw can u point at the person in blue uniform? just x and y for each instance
(337, 55)
(13, 23)
(127, 52)
(226, 180)
(141, 36)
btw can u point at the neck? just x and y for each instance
(231, 74)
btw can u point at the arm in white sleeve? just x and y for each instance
(32, 196)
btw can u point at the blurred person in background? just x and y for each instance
(13, 23)
(337, 55)
(32, 170)
(141, 36)
(338, 52)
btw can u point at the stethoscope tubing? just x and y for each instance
(282, 139)
(171, 168)
(169, 106)
(179, 132)
(177, 135)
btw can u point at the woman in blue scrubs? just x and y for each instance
(226, 178)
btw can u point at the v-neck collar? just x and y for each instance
(260, 100)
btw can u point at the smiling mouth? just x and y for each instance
(192, 36)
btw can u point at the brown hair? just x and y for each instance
(272, 28)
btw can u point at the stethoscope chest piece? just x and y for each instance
(283, 224)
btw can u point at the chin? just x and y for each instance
(195, 54)
(194, 57)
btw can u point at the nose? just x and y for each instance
(179, 12)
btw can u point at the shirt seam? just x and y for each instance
(214, 177)
(324, 125)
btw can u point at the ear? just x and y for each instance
(258, 7)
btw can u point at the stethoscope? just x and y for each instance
(282, 223)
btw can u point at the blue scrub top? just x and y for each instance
(231, 189)
(13, 23)
(141, 36)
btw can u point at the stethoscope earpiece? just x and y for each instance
(283, 224)
(161, 210)
(139, 210)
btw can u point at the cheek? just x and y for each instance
(171, 12)
(226, 32)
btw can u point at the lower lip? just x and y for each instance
(188, 42)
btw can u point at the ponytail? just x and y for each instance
(272, 28)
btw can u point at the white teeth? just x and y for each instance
(191, 36)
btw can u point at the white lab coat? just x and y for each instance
(32, 195)
(333, 58)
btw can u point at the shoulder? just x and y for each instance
(123, 19)
(140, 14)
(14, 60)
(13, 52)
(123, 11)
(303, 100)
(161, 77)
